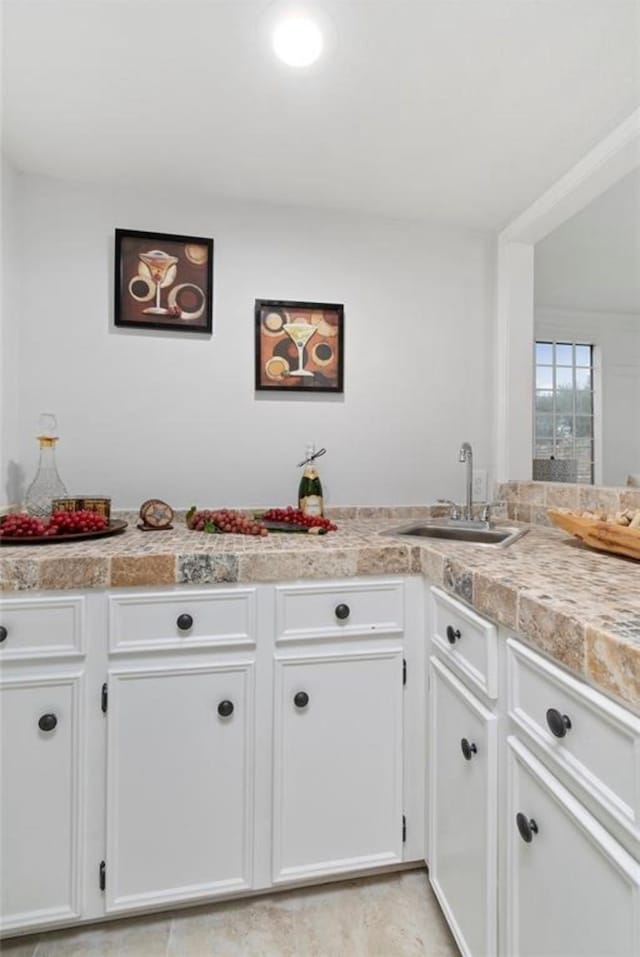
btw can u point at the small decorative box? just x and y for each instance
(80, 503)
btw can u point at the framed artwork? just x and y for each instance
(163, 281)
(299, 346)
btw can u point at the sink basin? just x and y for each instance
(452, 533)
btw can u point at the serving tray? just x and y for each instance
(114, 528)
(273, 526)
(605, 536)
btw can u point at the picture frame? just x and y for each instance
(163, 281)
(299, 346)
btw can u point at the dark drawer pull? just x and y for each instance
(184, 622)
(3, 633)
(468, 749)
(453, 634)
(342, 612)
(225, 709)
(47, 722)
(558, 723)
(527, 827)
(301, 699)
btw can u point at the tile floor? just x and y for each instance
(388, 916)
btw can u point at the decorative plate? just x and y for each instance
(114, 528)
(156, 515)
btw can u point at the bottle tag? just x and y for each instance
(311, 505)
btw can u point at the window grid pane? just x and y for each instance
(563, 421)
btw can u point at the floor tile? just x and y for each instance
(388, 916)
(393, 915)
(140, 937)
(18, 947)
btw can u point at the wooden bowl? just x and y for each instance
(605, 536)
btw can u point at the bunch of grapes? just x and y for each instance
(224, 520)
(293, 516)
(21, 525)
(83, 521)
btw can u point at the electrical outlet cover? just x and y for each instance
(479, 485)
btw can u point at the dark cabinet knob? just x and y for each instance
(527, 827)
(468, 749)
(3, 633)
(184, 622)
(342, 612)
(225, 709)
(301, 699)
(558, 723)
(453, 634)
(47, 722)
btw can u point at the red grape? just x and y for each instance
(20, 525)
(295, 517)
(223, 520)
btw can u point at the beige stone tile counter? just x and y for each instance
(579, 606)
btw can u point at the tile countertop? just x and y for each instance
(579, 606)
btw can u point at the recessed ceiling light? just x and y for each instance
(297, 41)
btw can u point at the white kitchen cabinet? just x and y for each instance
(46, 627)
(42, 721)
(179, 781)
(193, 809)
(467, 641)
(318, 611)
(42, 810)
(519, 862)
(462, 797)
(579, 733)
(338, 761)
(179, 620)
(571, 889)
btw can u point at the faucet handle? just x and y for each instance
(454, 511)
(486, 510)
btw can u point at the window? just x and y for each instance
(563, 419)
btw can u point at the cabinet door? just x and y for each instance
(572, 890)
(462, 811)
(180, 783)
(41, 820)
(337, 763)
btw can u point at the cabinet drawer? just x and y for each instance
(189, 619)
(42, 627)
(330, 610)
(467, 640)
(599, 744)
(570, 888)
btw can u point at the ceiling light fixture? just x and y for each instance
(297, 41)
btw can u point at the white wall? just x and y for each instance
(175, 415)
(8, 327)
(592, 261)
(617, 383)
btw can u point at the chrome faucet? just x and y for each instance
(466, 519)
(466, 455)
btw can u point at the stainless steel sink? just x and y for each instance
(500, 537)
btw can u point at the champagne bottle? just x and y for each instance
(310, 489)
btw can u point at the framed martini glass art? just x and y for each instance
(299, 346)
(163, 281)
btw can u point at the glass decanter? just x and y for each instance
(47, 484)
